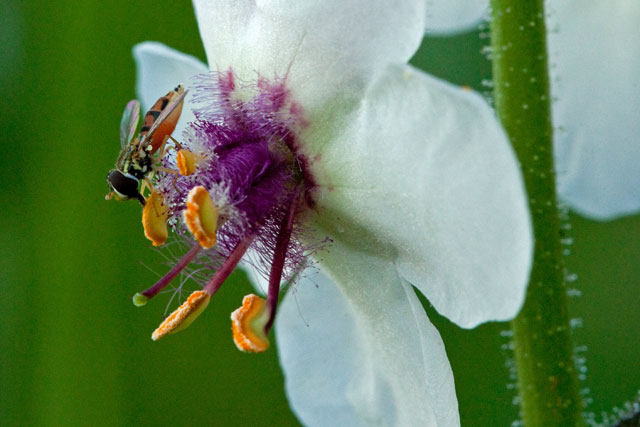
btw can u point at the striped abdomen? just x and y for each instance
(168, 125)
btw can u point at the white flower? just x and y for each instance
(416, 184)
(594, 52)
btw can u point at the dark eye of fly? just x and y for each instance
(124, 185)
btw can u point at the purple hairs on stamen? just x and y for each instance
(245, 136)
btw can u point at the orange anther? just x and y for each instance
(187, 162)
(247, 324)
(154, 219)
(184, 315)
(201, 217)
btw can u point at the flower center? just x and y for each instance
(239, 187)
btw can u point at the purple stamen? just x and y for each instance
(228, 266)
(162, 283)
(279, 257)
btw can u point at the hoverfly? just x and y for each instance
(140, 154)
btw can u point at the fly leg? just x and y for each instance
(175, 173)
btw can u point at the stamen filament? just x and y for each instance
(228, 266)
(164, 281)
(279, 258)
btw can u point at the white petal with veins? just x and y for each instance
(327, 48)
(357, 355)
(425, 176)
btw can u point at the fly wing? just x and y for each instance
(129, 122)
(175, 103)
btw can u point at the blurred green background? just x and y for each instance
(75, 351)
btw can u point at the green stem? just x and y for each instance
(547, 377)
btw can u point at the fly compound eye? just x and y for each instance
(124, 186)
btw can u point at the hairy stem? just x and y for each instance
(547, 377)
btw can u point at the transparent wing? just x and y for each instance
(129, 122)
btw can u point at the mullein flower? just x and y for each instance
(594, 50)
(316, 156)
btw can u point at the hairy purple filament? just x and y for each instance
(279, 256)
(228, 266)
(164, 281)
(249, 165)
(256, 175)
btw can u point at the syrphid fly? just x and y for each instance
(140, 155)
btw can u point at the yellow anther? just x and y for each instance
(201, 217)
(187, 161)
(247, 324)
(184, 315)
(154, 219)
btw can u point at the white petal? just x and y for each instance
(424, 174)
(160, 69)
(596, 53)
(364, 352)
(324, 48)
(450, 16)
